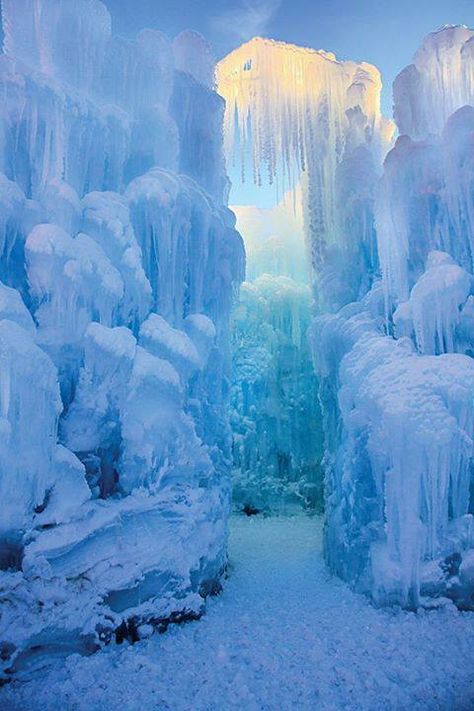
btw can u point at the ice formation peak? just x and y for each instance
(276, 94)
(438, 82)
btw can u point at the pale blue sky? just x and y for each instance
(386, 34)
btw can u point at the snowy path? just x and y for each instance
(283, 635)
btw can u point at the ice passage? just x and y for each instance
(163, 354)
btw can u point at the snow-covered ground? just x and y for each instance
(284, 634)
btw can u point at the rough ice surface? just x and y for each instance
(398, 471)
(396, 368)
(433, 311)
(119, 264)
(276, 420)
(424, 204)
(438, 82)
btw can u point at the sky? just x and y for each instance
(384, 33)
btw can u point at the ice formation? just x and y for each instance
(312, 125)
(119, 263)
(438, 82)
(291, 109)
(276, 420)
(392, 263)
(396, 367)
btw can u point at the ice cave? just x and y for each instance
(236, 367)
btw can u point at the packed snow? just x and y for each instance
(284, 634)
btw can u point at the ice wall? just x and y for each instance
(119, 263)
(309, 125)
(396, 368)
(398, 458)
(392, 264)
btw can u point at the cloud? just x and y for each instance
(250, 18)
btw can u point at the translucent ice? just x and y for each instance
(292, 111)
(395, 376)
(440, 81)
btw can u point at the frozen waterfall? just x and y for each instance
(141, 378)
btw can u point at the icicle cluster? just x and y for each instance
(291, 110)
(275, 416)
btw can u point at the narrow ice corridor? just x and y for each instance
(284, 634)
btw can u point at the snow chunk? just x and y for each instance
(158, 337)
(433, 310)
(13, 308)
